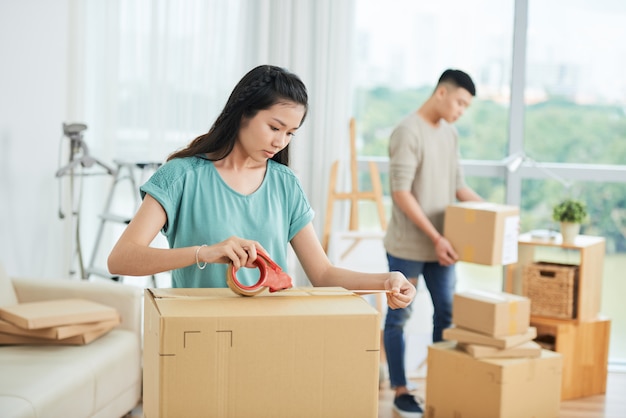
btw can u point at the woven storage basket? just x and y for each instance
(552, 289)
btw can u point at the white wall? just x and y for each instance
(33, 103)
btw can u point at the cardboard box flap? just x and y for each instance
(522, 360)
(195, 293)
(224, 303)
(486, 206)
(219, 293)
(468, 336)
(526, 349)
(492, 297)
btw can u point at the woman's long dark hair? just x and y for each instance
(261, 88)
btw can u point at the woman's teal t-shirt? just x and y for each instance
(202, 209)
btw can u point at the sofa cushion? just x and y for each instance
(7, 293)
(71, 381)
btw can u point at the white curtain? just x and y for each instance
(155, 74)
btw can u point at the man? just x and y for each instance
(425, 176)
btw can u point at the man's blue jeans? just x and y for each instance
(440, 282)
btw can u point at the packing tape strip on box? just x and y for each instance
(470, 216)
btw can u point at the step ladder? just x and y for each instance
(132, 173)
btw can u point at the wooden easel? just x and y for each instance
(376, 194)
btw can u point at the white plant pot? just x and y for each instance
(569, 231)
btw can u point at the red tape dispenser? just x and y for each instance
(272, 276)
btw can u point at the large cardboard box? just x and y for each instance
(483, 232)
(458, 385)
(492, 313)
(303, 352)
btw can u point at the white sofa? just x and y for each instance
(101, 379)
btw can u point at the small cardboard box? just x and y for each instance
(57, 312)
(310, 352)
(459, 385)
(527, 349)
(493, 313)
(471, 337)
(483, 232)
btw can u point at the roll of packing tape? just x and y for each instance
(271, 276)
(240, 289)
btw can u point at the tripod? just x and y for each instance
(79, 157)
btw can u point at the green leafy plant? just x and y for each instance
(570, 210)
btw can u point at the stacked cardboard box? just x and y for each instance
(61, 321)
(490, 362)
(493, 324)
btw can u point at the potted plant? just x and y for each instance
(570, 213)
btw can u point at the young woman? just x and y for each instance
(230, 193)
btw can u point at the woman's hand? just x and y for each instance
(241, 252)
(402, 291)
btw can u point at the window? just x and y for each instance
(404, 46)
(575, 89)
(158, 64)
(568, 118)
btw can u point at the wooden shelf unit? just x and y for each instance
(583, 341)
(590, 255)
(585, 350)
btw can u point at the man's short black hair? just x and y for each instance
(459, 79)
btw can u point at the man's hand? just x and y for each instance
(445, 253)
